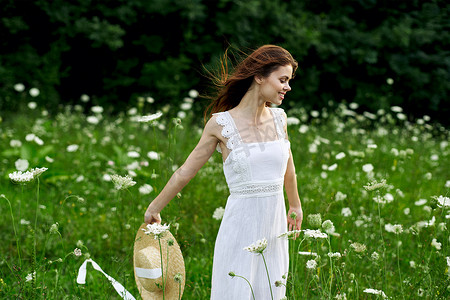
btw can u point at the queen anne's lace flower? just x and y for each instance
(149, 118)
(311, 264)
(443, 201)
(77, 252)
(375, 292)
(358, 247)
(375, 185)
(317, 234)
(21, 177)
(290, 234)
(334, 254)
(122, 183)
(38, 171)
(258, 247)
(157, 230)
(218, 213)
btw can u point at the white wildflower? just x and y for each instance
(24, 222)
(122, 183)
(15, 143)
(30, 276)
(92, 120)
(38, 171)
(72, 148)
(158, 230)
(34, 92)
(132, 111)
(316, 234)
(443, 201)
(186, 106)
(374, 185)
(311, 264)
(340, 155)
(375, 292)
(292, 121)
(367, 168)
(396, 109)
(193, 94)
(149, 118)
(346, 212)
(358, 247)
(218, 213)
(420, 202)
(436, 244)
(303, 128)
(375, 256)
(396, 228)
(133, 154)
(308, 253)
(390, 81)
(97, 109)
(145, 189)
(84, 98)
(19, 87)
(153, 155)
(21, 164)
(77, 252)
(332, 167)
(290, 234)
(328, 226)
(334, 254)
(258, 247)
(21, 177)
(32, 105)
(340, 196)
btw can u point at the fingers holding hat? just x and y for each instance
(151, 218)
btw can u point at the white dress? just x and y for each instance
(254, 210)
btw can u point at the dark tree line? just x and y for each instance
(375, 52)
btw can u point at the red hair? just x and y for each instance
(232, 87)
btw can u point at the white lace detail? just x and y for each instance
(257, 188)
(280, 122)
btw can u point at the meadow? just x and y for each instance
(373, 185)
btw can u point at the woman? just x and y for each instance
(252, 138)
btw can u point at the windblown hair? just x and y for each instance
(232, 87)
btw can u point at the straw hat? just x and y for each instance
(147, 266)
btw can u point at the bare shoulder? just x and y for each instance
(212, 127)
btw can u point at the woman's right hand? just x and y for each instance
(151, 217)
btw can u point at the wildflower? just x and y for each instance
(358, 247)
(396, 228)
(93, 120)
(24, 222)
(232, 274)
(308, 253)
(412, 264)
(38, 171)
(443, 201)
(317, 234)
(122, 183)
(332, 167)
(303, 128)
(186, 106)
(193, 94)
(340, 155)
(258, 247)
(80, 243)
(133, 154)
(293, 215)
(30, 276)
(15, 143)
(342, 296)
(278, 283)
(21, 164)
(420, 202)
(328, 226)
(375, 256)
(346, 212)
(218, 213)
(390, 81)
(149, 118)
(153, 155)
(436, 244)
(315, 220)
(335, 254)
(448, 261)
(145, 189)
(178, 278)
(32, 105)
(374, 185)
(420, 292)
(375, 292)
(84, 98)
(97, 109)
(105, 236)
(132, 111)
(292, 121)
(72, 148)
(340, 196)
(367, 168)
(19, 87)
(290, 234)
(54, 228)
(49, 159)
(156, 229)
(21, 177)
(34, 92)
(77, 252)
(311, 264)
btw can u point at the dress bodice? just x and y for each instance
(253, 169)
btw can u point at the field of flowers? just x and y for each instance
(374, 189)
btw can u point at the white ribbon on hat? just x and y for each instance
(148, 273)
(81, 279)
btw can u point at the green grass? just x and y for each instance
(74, 193)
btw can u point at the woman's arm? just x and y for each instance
(290, 185)
(198, 157)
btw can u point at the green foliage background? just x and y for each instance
(115, 51)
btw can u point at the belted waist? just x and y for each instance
(254, 188)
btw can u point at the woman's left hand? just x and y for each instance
(295, 218)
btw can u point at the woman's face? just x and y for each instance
(274, 87)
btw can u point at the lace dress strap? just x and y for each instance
(229, 131)
(280, 121)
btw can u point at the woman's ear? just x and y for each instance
(259, 79)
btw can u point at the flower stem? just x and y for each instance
(398, 265)
(15, 233)
(162, 268)
(267, 270)
(253, 294)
